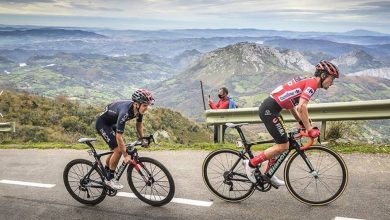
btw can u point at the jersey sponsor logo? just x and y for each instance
(309, 91)
(299, 78)
(124, 118)
(112, 111)
(104, 111)
(275, 120)
(295, 80)
(289, 94)
(267, 112)
(280, 128)
(104, 135)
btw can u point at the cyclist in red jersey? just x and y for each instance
(293, 96)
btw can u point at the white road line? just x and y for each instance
(344, 218)
(122, 194)
(13, 182)
(174, 200)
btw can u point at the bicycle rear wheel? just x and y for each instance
(225, 181)
(151, 183)
(324, 185)
(87, 189)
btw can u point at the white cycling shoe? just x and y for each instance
(113, 183)
(276, 181)
(250, 172)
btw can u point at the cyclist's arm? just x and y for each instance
(294, 112)
(140, 129)
(303, 113)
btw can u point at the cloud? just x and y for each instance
(214, 13)
(25, 1)
(91, 7)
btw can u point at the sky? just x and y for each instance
(294, 15)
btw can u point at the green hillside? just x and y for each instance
(40, 119)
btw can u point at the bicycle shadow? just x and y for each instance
(98, 210)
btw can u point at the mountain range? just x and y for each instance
(251, 71)
(96, 65)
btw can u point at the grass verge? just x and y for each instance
(341, 148)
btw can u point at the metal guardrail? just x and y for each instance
(336, 111)
(7, 127)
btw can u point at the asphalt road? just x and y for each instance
(367, 195)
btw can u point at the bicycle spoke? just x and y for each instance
(304, 189)
(221, 168)
(293, 180)
(326, 186)
(224, 168)
(328, 168)
(163, 187)
(332, 177)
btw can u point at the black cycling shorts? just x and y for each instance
(107, 132)
(269, 112)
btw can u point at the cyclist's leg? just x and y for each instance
(269, 113)
(108, 134)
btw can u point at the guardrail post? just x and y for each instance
(323, 129)
(220, 134)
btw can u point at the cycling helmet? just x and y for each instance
(142, 96)
(327, 67)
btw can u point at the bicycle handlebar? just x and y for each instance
(304, 133)
(139, 142)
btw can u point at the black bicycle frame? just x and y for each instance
(279, 160)
(293, 144)
(119, 172)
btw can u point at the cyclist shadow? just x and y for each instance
(141, 211)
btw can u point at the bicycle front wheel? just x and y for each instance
(151, 182)
(225, 176)
(325, 184)
(84, 182)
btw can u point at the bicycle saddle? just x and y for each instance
(231, 125)
(83, 140)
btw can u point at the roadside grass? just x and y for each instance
(341, 148)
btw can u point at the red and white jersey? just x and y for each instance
(288, 95)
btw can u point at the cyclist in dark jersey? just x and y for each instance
(293, 96)
(111, 125)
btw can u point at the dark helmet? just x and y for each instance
(327, 67)
(142, 96)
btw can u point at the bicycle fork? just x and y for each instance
(137, 166)
(313, 172)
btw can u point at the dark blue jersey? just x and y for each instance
(117, 113)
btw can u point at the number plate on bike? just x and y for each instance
(90, 152)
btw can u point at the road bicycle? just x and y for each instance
(314, 174)
(149, 180)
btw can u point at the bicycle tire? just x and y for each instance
(149, 165)
(335, 171)
(72, 181)
(208, 179)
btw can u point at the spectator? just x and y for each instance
(223, 103)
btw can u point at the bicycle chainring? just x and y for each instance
(263, 183)
(111, 192)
